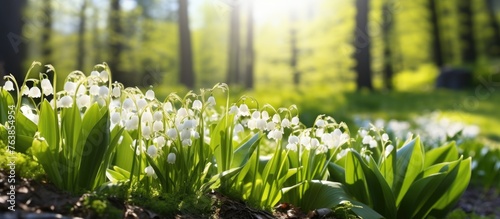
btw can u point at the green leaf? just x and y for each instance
(441, 154)
(388, 168)
(25, 130)
(96, 144)
(47, 159)
(426, 192)
(115, 176)
(337, 173)
(355, 179)
(71, 125)
(221, 143)
(48, 125)
(245, 151)
(6, 100)
(451, 197)
(409, 164)
(326, 194)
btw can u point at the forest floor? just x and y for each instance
(35, 199)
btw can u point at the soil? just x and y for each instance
(39, 200)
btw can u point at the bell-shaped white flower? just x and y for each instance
(115, 118)
(147, 117)
(152, 151)
(83, 101)
(292, 139)
(172, 133)
(47, 88)
(35, 92)
(149, 171)
(295, 120)
(264, 115)
(234, 110)
(171, 158)
(158, 126)
(276, 118)
(70, 87)
(367, 139)
(94, 90)
(388, 150)
(146, 131)
(150, 95)
(187, 142)
(158, 116)
(25, 90)
(243, 110)
(132, 123)
(116, 92)
(285, 123)
(373, 143)
(197, 105)
(142, 103)
(128, 104)
(238, 128)
(385, 137)
(8, 86)
(167, 107)
(275, 134)
(256, 115)
(103, 91)
(66, 102)
(104, 75)
(211, 101)
(94, 73)
(160, 141)
(320, 123)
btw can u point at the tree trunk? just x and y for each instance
(80, 58)
(494, 45)
(437, 52)
(250, 56)
(47, 33)
(115, 44)
(388, 23)
(186, 73)
(233, 68)
(294, 51)
(12, 44)
(362, 47)
(469, 54)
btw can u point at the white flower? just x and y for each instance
(363, 133)
(385, 137)
(167, 107)
(142, 103)
(25, 90)
(104, 76)
(264, 115)
(261, 124)
(150, 95)
(181, 113)
(158, 116)
(388, 150)
(270, 126)
(185, 134)
(94, 73)
(293, 139)
(292, 147)
(103, 91)
(195, 134)
(373, 143)
(256, 115)
(158, 126)
(321, 149)
(367, 139)
(116, 92)
(132, 123)
(46, 87)
(8, 86)
(243, 110)
(275, 134)
(295, 120)
(66, 102)
(314, 143)
(187, 142)
(115, 118)
(149, 171)
(238, 128)
(35, 92)
(211, 101)
(171, 158)
(197, 105)
(70, 87)
(152, 151)
(146, 131)
(128, 104)
(160, 141)
(172, 133)
(320, 123)
(94, 90)
(147, 117)
(234, 110)
(83, 101)
(285, 123)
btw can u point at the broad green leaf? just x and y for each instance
(6, 101)
(25, 130)
(451, 197)
(48, 125)
(427, 191)
(221, 143)
(441, 154)
(214, 182)
(115, 176)
(388, 168)
(245, 151)
(71, 125)
(409, 164)
(355, 179)
(124, 152)
(107, 156)
(337, 173)
(326, 194)
(96, 144)
(47, 159)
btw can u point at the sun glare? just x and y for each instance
(269, 11)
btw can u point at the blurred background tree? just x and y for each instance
(255, 44)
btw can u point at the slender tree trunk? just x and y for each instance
(250, 56)
(233, 68)
(47, 33)
(115, 44)
(469, 54)
(437, 52)
(80, 59)
(186, 72)
(494, 45)
(294, 51)
(388, 23)
(12, 44)
(362, 47)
